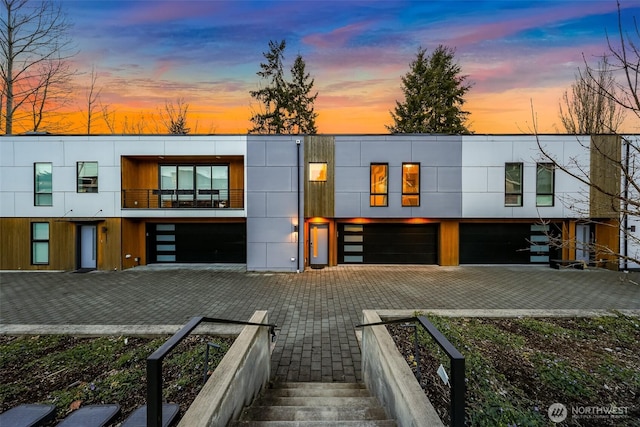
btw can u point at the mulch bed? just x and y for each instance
(515, 371)
(74, 371)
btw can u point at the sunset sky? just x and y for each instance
(515, 53)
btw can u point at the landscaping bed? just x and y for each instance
(71, 371)
(516, 368)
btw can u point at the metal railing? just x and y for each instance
(458, 386)
(153, 198)
(154, 363)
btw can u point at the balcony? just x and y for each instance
(182, 199)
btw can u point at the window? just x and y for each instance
(379, 173)
(411, 184)
(513, 184)
(544, 184)
(194, 185)
(39, 243)
(318, 172)
(87, 177)
(43, 184)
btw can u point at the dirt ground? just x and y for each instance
(71, 372)
(517, 368)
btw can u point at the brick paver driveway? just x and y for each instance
(316, 310)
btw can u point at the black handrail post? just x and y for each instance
(154, 373)
(458, 389)
(458, 386)
(154, 363)
(154, 392)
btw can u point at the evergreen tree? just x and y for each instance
(286, 107)
(274, 97)
(434, 93)
(302, 116)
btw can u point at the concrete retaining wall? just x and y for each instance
(390, 379)
(237, 380)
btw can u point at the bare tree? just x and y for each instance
(612, 177)
(109, 117)
(31, 34)
(49, 94)
(174, 117)
(590, 107)
(92, 96)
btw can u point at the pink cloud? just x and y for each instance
(338, 37)
(471, 34)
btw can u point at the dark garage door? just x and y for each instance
(197, 243)
(505, 243)
(388, 244)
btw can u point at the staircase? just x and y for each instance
(315, 404)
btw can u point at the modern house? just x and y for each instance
(287, 202)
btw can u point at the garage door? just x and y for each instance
(197, 243)
(506, 243)
(388, 244)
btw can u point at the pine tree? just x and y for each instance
(274, 96)
(434, 93)
(302, 116)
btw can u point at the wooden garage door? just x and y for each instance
(388, 244)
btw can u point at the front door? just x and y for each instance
(583, 242)
(319, 244)
(88, 246)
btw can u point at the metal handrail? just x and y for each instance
(157, 198)
(154, 363)
(458, 386)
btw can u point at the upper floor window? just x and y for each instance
(379, 173)
(318, 172)
(39, 243)
(87, 177)
(513, 184)
(195, 185)
(544, 184)
(411, 184)
(43, 184)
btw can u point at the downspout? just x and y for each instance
(300, 225)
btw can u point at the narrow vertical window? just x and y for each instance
(379, 173)
(87, 177)
(318, 172)
(411, 184)
(43, 184)
(40, 243)
(513, 184)
(545, 184)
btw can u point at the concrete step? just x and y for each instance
(309, 385)
(319, 392)
(374, 423)
(315, 405)
(352, 402)
(306, 413)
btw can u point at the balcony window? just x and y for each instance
(43, 184)
(87, 177)
(379, 173)
(411, 184)
(194, 185)
(513, 184)
(545, 184)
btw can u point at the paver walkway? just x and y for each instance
(316, 310)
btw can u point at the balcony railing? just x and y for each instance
(182, 199)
